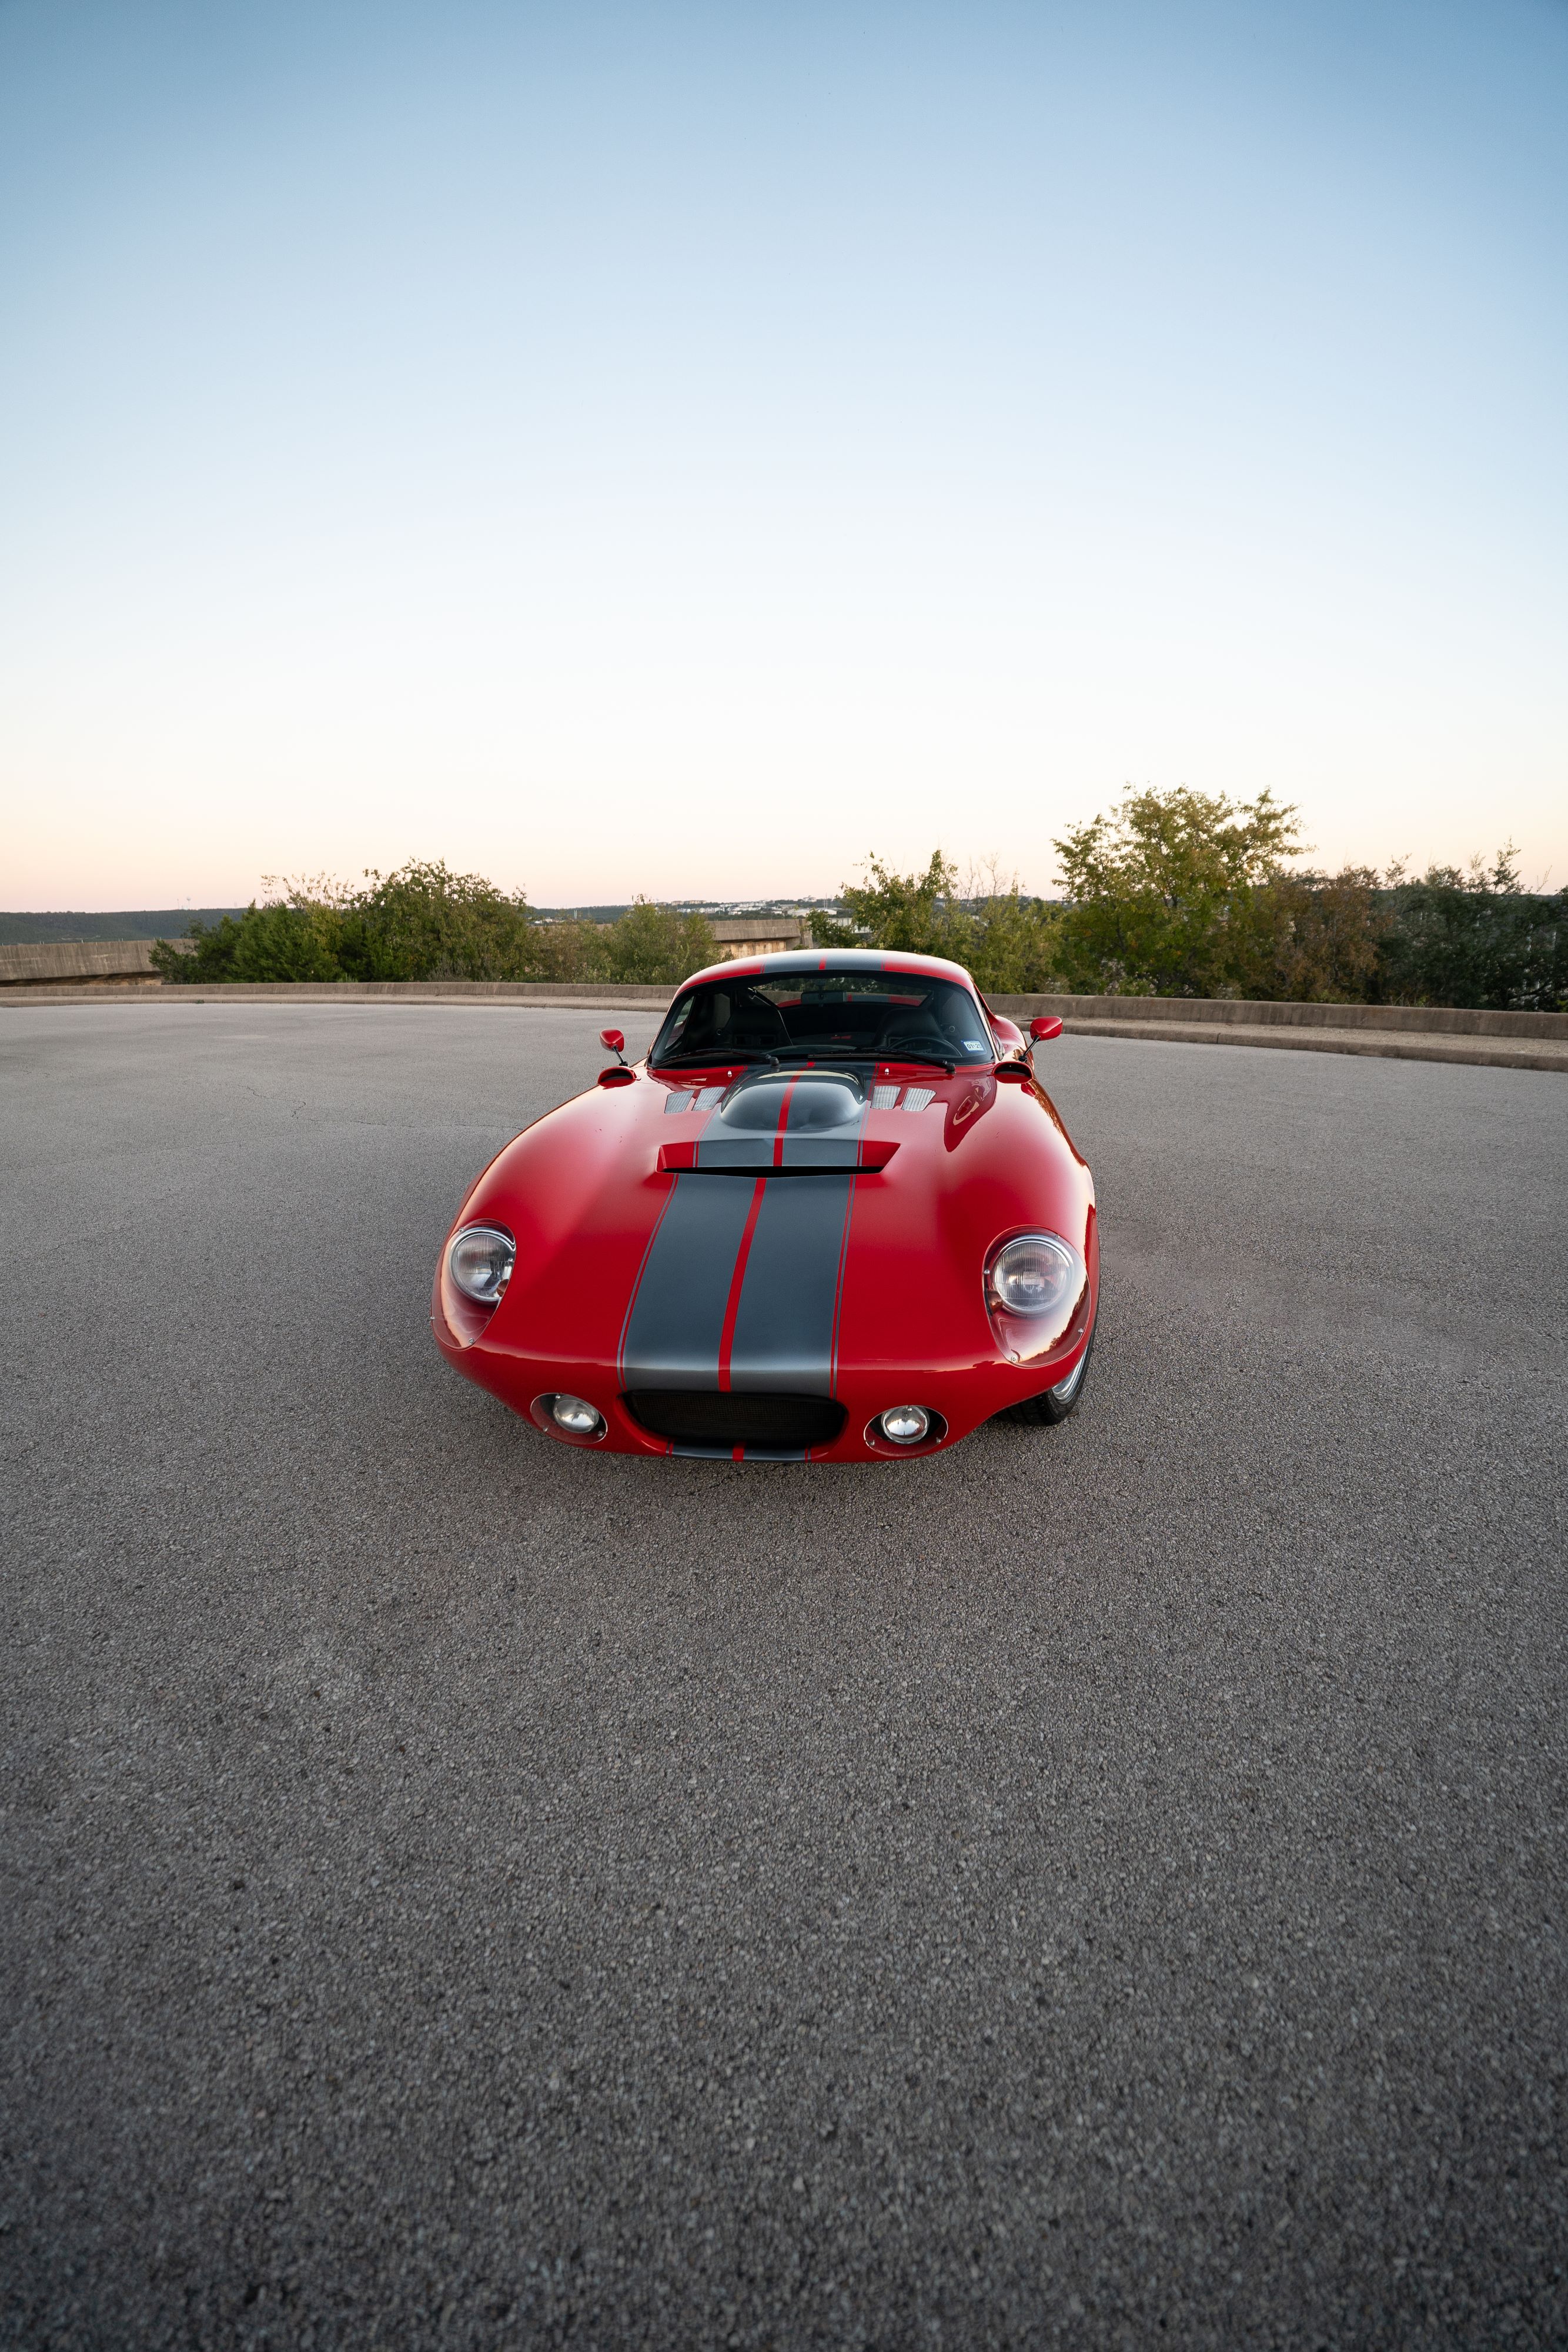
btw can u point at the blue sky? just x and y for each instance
(684, 448)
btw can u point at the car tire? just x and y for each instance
(1052, 1405)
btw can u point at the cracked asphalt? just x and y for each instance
(1103, 1887)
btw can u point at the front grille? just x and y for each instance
(725, 1417)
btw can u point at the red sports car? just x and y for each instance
(832, 1217)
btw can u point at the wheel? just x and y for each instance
(1043, 1412)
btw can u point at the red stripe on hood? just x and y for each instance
(783, 1123)
(736, 1282)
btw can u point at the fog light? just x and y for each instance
(905, 1424)
(573, 1413)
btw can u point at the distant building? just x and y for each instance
(755, 935)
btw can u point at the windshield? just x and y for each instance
(890, 1016)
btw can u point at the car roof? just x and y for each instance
(846, 959)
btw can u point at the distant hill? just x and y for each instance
(173, 922)
(578, 914)
(140, 923)
(712, 907)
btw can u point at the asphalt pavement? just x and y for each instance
(1103, 1886)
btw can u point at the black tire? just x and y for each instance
(1052, 1405)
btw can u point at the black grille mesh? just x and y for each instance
(727, 1417)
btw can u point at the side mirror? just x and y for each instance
(1043, 1027)
(615, 1040)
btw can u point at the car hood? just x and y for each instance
(760, 1233)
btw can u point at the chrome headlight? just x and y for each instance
(1035, 1274)
(480, 1261)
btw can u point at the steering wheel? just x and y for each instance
(922, 1042)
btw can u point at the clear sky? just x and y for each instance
(684, 447)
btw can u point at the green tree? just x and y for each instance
(1161, 892)
(426, 922)
(1313, 938)
(1007, 941)
(1475, 937)
(653, 944)
(1015, 945)
(921, 913)
(827, 932)
(289, 942)
(567, 951)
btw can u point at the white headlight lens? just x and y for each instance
(906, 1424)
(1040, 1274)
(480, 1262)
(576, 1414)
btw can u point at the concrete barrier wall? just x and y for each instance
(73, 963)
(1253, 1013)
(95, 960)
(1520, 1041)
(607, 995)
(1419, 1019)
(98, 961)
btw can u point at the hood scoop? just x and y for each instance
(814, 1103)
(781, 1124)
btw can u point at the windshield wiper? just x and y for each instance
(714, 1061)
(867, 1053)
(825, 1053)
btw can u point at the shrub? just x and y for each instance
(216, 945)
(289, 942)
(1311, 939)
(567, 952)
(1175, 894)
(653, 943)
(1016, 943)
(424, 923)
(1473, 938)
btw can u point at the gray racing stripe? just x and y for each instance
(676, 1321)
(752, 1155)
(784, 1328)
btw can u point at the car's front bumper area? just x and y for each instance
(958, 1398)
